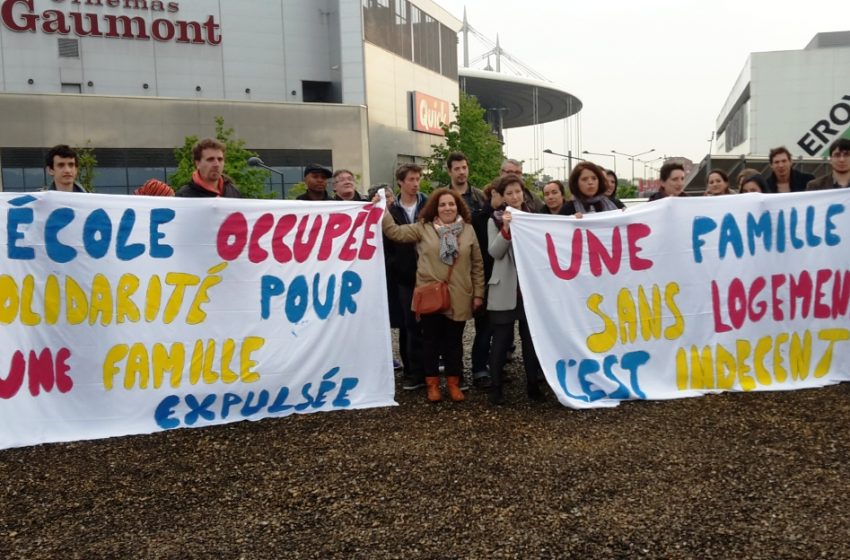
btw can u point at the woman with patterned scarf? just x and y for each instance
(587, 185)
(447, 250)
(505, 300)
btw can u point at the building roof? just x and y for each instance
(829, 39)
(514, 97)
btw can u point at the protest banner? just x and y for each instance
(129, 315)
(683, 297)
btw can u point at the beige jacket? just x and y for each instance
(467, 280)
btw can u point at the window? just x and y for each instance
(72, 88)
(403, 29)
(107, 179)
(376, 21)
(35, 178)
(426, 40)
(736, 130)
(448, 52)
(317, 92)
(138, 176)
(13, 179)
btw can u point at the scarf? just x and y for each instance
(448, 240)
(598, 203)
(217, 188)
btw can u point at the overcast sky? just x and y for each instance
(651, 73)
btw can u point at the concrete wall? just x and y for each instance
(267, 46)
(388, 94)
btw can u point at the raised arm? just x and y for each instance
(408, 233)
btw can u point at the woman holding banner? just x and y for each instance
(504, 300)
(448, 254)
(587, 185)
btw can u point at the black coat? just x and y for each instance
(402, 257)
(193, 190)
(798, 181)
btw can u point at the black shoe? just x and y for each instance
(410, 383)
(497, 396)
(535, 394)
(481, 379)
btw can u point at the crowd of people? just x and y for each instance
(449, 256)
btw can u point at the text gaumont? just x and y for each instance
(21, 16)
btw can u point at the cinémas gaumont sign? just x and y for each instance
(91, 21)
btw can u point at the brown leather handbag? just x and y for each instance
(433, 297)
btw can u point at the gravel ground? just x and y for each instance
(725, 476)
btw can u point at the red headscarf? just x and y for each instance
(154, 187)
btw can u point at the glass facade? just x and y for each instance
(405, 30)
(736, 130)
(24, 171)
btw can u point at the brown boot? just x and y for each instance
(453, 384)
(432, 385)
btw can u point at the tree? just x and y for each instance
(296, 190)
(251, 181)
(626, 189)
(86, 166)
(468, 133)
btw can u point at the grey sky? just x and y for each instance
(651, 74)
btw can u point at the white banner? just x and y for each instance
(127, 315)
(684, 297)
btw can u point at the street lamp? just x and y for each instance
(257, 162)
(647, 162)
(569, 157)
(632, 157)
(603, 155)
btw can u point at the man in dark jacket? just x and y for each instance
(839, 161)
(457, 165)
(344, 186)
(63, 164)
(316, 179)
(208, 180)
(406, 211)
(784, 177)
